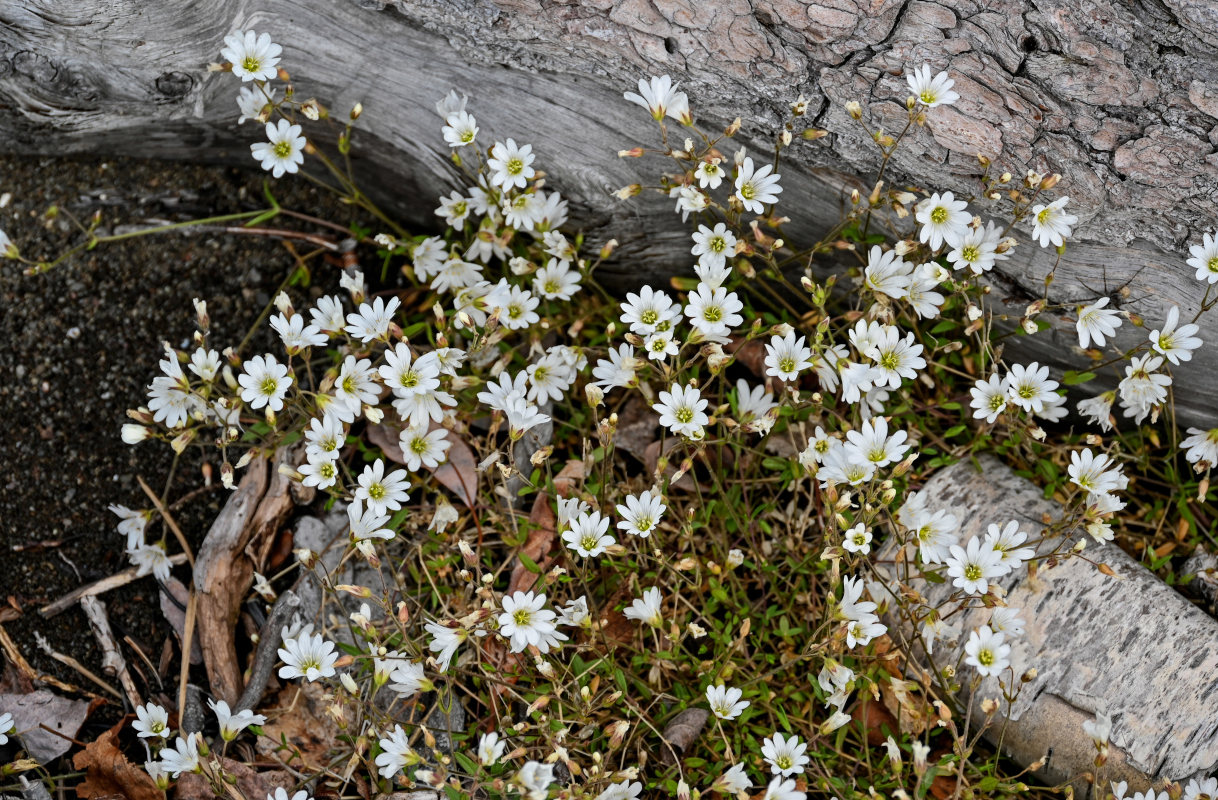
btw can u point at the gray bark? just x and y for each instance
(1127, 645)
(1122, 98)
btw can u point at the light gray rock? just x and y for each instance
(1127, 645)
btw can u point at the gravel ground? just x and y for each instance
(80, 345)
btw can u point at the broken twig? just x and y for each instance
(98, 587)
(113, 662)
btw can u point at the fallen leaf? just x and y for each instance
(109, 773)
(878, 722)
(571, 473)
(681, 732)
(636, 427)
(542, 532)
(651, 461)
(250, 784)
(61, 714)
(750, 353)
(458, 473)
(300, 716)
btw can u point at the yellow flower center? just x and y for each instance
(684, 415)
(251, 64)
(939, 215)
(269, 386)
(985, 658)
(283, 149)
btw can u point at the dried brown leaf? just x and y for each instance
(299, 715)
(250, 783)
(542, 531)
(458, 473)
(108, 772)
(681, 732)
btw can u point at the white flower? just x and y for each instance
(622, 790)
(1176, 344)
(1205, 258)
(253, 56)
(490, 749)
(523, 416)
(328, 315)
(641, 515)
(1095, 474)
(732, 782)
(549, 378)
(423, 449)
(445, 641)
(367, 524)
(232, 724)
(714, 312)
(252, 99)
(1030, 386)
(974, 566)
(931, 91)
(712, 246)
(451, 103)
(556, 280)
(1201, 446)
(382, 492)
(682, 410)
(295, 334)
(935, 531)
(510, 165)
(152, 721)
(1006, 542)
(282, 794)
(754, 406)
(524, 622)
(649, 311)
(618, 370)
(887, 273)
(896, 357)
(647, 608)
(518, 309)
(725, 702)
(372, 320)
(756, 187)
(575, 613)
(784, 755)
(989, 398)
(1204, 789)
(588, 535)
(843, 466)
(284, 152)
(1100, 729)
(307, 656)
(872, 444)
(943, 219)
(1051, 225)
(395, 753)
(786, 356)
(454, 209)
(921, 294)
(497, 395)
(535, 779)
(460, 128)
(150, 559)
(264, 382)
(712, 275)
(1096, 323)
(660, 97)
(660, 346)
(428, 258)
(986, 652)
(709, 173)
(857, 539)
(409, 678)
(1142, 388)
(325, 437)
(182, 757)
(1098, 409)
(1006, 620)
(783, 789)
(356, 384)
(976, 250)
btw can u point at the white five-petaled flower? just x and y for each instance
(725, 702)
(977, 250)
(1029, 387)
(1205, 258)
(986, 652)
(231, 723)
(714, 312)
(1096, 323)
(295, 334)
(647, 608)
(756, 187)
(887, 273)
(372, 320)
(1176, 342)
(395, 753)
(1050, 224)
(460, 128)
(252, 100)
(284, 150)
(490, 749)
(989, 398)
(732, 782)
(307, 656)
(709, 173)
(682, 410)
(254, 56)
(511, 165)
(712, 246)
(382, 492)
(182, 757)
(857, 539)
(785, 755)
(1201, 446)
(943, 219)
(973, 566)
(264, 382)
(870, 443)
(151, 721)
(1006, 542)
(781, 788)
(786, 356)
(150, 559)
(588, 535)
(525, 622)
(640, 515)
(931, 91)
(1095, 474)
(660, 97)
(423, 449)
(895, 356)
(367, 523)
(649, 311)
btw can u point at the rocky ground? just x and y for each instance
(79, 346)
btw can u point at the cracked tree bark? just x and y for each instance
(1120, 97)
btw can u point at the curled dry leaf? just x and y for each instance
(61, 714)
(458, 473)
(109, 773)
(681, 732)
(542, 532)
(250, 784)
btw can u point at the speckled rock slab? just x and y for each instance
(1127, 645)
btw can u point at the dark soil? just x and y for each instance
(80, 345)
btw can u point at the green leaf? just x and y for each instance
(529, 563)
(1072, 378)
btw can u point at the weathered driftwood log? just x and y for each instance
(1122, 98)
(1127, 645)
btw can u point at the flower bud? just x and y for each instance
(854, 109)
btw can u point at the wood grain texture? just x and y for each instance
(1128, 645)
(1120, 97)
